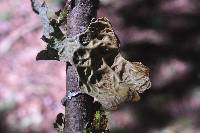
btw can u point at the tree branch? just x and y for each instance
(78, 109)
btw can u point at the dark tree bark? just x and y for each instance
(78, 109)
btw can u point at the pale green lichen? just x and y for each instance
(52, 34)
(42, 11)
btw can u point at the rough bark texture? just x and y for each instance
(78, 109)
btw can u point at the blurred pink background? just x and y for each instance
(163, 35)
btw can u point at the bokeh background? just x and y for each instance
(162, 34)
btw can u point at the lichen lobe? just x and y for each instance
(103, 72)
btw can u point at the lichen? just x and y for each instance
(60, 122)
(102, 71)
(52, 34)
